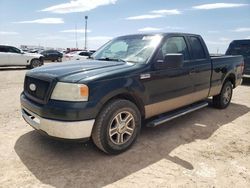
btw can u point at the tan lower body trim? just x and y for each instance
(215, 90)
(172, 104)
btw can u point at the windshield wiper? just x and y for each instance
(111, 59)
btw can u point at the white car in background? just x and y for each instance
(12, 56)
(78, 55)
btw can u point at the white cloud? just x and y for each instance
(174, 28)
(248, 37)
(93, 38)
(8, 33)
(44, 21)
(155, 14)
(217, 42)
(166, 11)
(218, 6)
(144, 16)
(78, 6)
(242, 29)
(224, 39)
(75, 30)
(51, 37)
(213, 31)
(146, 29)
(100, 38)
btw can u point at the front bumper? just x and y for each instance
(62, 110)
(59, 129)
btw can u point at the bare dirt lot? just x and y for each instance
(208, 148)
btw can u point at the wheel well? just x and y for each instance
(132, 99)
(231, 78)
(33, 59)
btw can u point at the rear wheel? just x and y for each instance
(117, 126)
(224, 98)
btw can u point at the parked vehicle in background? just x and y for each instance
(52, 55)
(78, 55)
(241, 47)
(12, 56)
(153, 77)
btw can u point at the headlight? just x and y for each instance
(70, 92)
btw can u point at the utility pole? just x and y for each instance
(86, 30)
(76, 36)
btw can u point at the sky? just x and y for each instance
(53, 23)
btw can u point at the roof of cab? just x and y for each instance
(241, 41)
(163, 34)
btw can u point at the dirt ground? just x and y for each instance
(207, 148)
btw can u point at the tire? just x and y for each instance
(35, 63)
(59, 59)
(110, 133)
(222, 100)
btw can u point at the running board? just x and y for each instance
(176, 113)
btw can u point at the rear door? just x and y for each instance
(4, 56)
(199, 67)
(169, 88)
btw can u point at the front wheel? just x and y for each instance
(59, 59)
(222, 100)
(35, 63)
(117, 126)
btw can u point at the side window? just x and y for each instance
(174, 45)
(3, 49)
(14, 50)
(84, 54)
(197, 49)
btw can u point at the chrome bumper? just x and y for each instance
(59, 129)
(246, 76)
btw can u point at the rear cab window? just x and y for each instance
(198, 51)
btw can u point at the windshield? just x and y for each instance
(137, 49)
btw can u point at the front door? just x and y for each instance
(16, 57)
(169, 89)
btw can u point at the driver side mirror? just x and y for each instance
(172, 60)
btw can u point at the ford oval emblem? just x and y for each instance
(32, 87)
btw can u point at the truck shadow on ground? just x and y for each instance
(83, 165)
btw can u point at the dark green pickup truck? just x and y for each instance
(131, 81)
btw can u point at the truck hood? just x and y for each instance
(74, 71)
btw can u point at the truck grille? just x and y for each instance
(36, 89)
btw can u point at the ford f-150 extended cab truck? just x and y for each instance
(151, 77)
